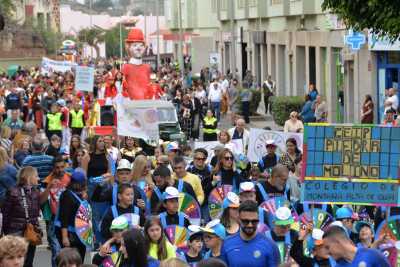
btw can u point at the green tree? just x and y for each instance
(112, 39)
(92, 37)
(102, 4)
(7, 8)
(380, 16)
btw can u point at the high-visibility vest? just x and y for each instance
(209, 121)
(54, 122)
(77, 119)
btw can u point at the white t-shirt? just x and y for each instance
(394, 99)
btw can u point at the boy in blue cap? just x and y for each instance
(214, 234)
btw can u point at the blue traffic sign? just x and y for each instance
(355, 40)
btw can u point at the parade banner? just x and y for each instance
(259, 137)
(84, 78)
(137, 122)
(236, 146)
(49, 66)
(351, 164)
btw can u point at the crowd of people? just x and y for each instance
(54, 169)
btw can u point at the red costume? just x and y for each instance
(136, 84)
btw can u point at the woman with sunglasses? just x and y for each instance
(224, 172)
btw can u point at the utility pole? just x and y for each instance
(91, 24)
(233, 38)
(181, 38)
(158, 32)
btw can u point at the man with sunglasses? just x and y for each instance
(201, 168)
(249, 248)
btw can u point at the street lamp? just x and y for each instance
(180, 43)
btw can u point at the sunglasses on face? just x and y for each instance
(247, 222)
(228, 158)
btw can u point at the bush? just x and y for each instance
(255, 100)
(283, 105)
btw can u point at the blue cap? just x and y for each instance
(344, 213)
(78, 176)
(231, 201)
(216, 228)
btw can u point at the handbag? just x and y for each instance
(32, 234)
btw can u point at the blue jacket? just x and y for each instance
(8, 179)
(307, 112)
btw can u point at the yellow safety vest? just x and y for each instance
(54, 122)
(76, 119)
(209, 121)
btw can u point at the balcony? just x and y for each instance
(304, 7)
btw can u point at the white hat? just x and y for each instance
(283, 216)
(124, 164)
(317, 235)
(247, 187)
(170, 193)
(270, 142)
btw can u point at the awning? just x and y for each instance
(173, 36)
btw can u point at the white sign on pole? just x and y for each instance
(84, 78)
(49, 66)
(137, 122)
(259, 137)
(236, 146)
(215, 59)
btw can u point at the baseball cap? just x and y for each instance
(270, 142)
(247, 187)
(119, 223)
(194, 231)
(78, 176)
(283, 216)
(231, 201)
(344, 213)
(170, 193)
(124, 164)
(315, 239)
(216, 228)
(61, 102)
(172, 146)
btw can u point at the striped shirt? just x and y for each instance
(43, 164)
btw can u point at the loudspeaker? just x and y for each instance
(107, 116)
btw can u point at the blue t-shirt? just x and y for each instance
(370, 258)
(258, 252)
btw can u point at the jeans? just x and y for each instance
(30, 256)
(216, 108)
(53, 241)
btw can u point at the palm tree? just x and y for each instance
(92, 37)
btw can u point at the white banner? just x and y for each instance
(259, 137)
(137, 122)
(236, 146)
(48, 66)
(84, 78)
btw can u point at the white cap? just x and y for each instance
(233, 198)
(270, 142)
(317, 234)
(170, 193)
(194, 228)
(247, 187)
(124, 164)
(283, 213)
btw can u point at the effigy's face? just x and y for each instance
(136, 49)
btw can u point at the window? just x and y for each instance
(276, 2)
(252, 3)
(241, 3)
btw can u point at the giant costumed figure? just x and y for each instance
(137, 84)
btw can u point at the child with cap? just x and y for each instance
(214, 234)
(160, 248)
(112, 245)
(269, 160)
(314, 241)
(162, 179)
(281, 233)
(124, 206)
(172, 216)
(345, 215)
(195, 244)
(230, 215)
(73, 198)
